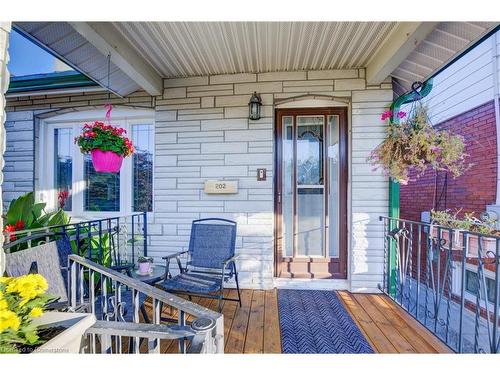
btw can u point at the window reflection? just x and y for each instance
(142, 159)
(63, 167)
(102, 190)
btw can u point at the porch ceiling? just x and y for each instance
(62, 40)
(181, 49)
(144, 52)
(439, 48)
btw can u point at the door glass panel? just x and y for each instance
(287, 186)
(63, 167)
(310, 186)
(333, 194)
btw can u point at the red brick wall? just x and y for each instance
(471, 191)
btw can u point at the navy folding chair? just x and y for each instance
(210, 262)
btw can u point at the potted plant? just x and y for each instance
(470, 224)
(21, 300)
(145, 265)
(106, 144)
(413, 144)
(25, 326)
(23, 215)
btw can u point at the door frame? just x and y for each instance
(342, 112)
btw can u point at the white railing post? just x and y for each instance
(73, 283)
(219, 335)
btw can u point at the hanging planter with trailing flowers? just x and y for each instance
(414, 144)
(106, 144)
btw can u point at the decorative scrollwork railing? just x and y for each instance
(447, 279)
(119, 304)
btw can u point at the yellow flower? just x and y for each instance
(5, 280)
(28, 287)
(3, 305)
(9, 319)
(36, 312)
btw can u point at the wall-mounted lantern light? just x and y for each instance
(254, 107)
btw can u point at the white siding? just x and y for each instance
(214, 139)
(464, 85)
(369, 190)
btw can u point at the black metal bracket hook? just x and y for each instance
(416, 87)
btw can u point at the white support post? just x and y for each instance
(4, 85)
(496, 102)
(493, 210)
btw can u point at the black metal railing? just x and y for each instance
(128, 311)
(447, 279)
(113, 241)
(126, 325)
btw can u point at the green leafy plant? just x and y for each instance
(24, 214)
(98, 136)
(415, 145)
(466, 221)
(142, 259)
(21, 299)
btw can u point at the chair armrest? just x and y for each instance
(229, 260)
(167, 258)
(174, 255)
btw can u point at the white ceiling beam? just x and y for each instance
(108, 40)
(396, 48)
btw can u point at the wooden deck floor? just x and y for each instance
(387, 327)
(254, 327)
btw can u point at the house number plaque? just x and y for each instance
(221, 187)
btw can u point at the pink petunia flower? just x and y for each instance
(436, 150)
(386, 115)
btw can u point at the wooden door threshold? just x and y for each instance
(311, 284)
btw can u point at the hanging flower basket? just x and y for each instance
(106, 161)
(106, 144)
(414, 144)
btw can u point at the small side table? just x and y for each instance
(159, 272)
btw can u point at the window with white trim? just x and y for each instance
(68, 178)
(472, 285)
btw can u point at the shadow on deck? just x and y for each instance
(255, 328)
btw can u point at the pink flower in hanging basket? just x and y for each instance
(386, 115)
(401, 114)
(436, 150)
(106, 144)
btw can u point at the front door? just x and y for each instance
(311, 193)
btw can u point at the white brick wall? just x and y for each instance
(203, 132)
(214, 139)
(19, 155)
